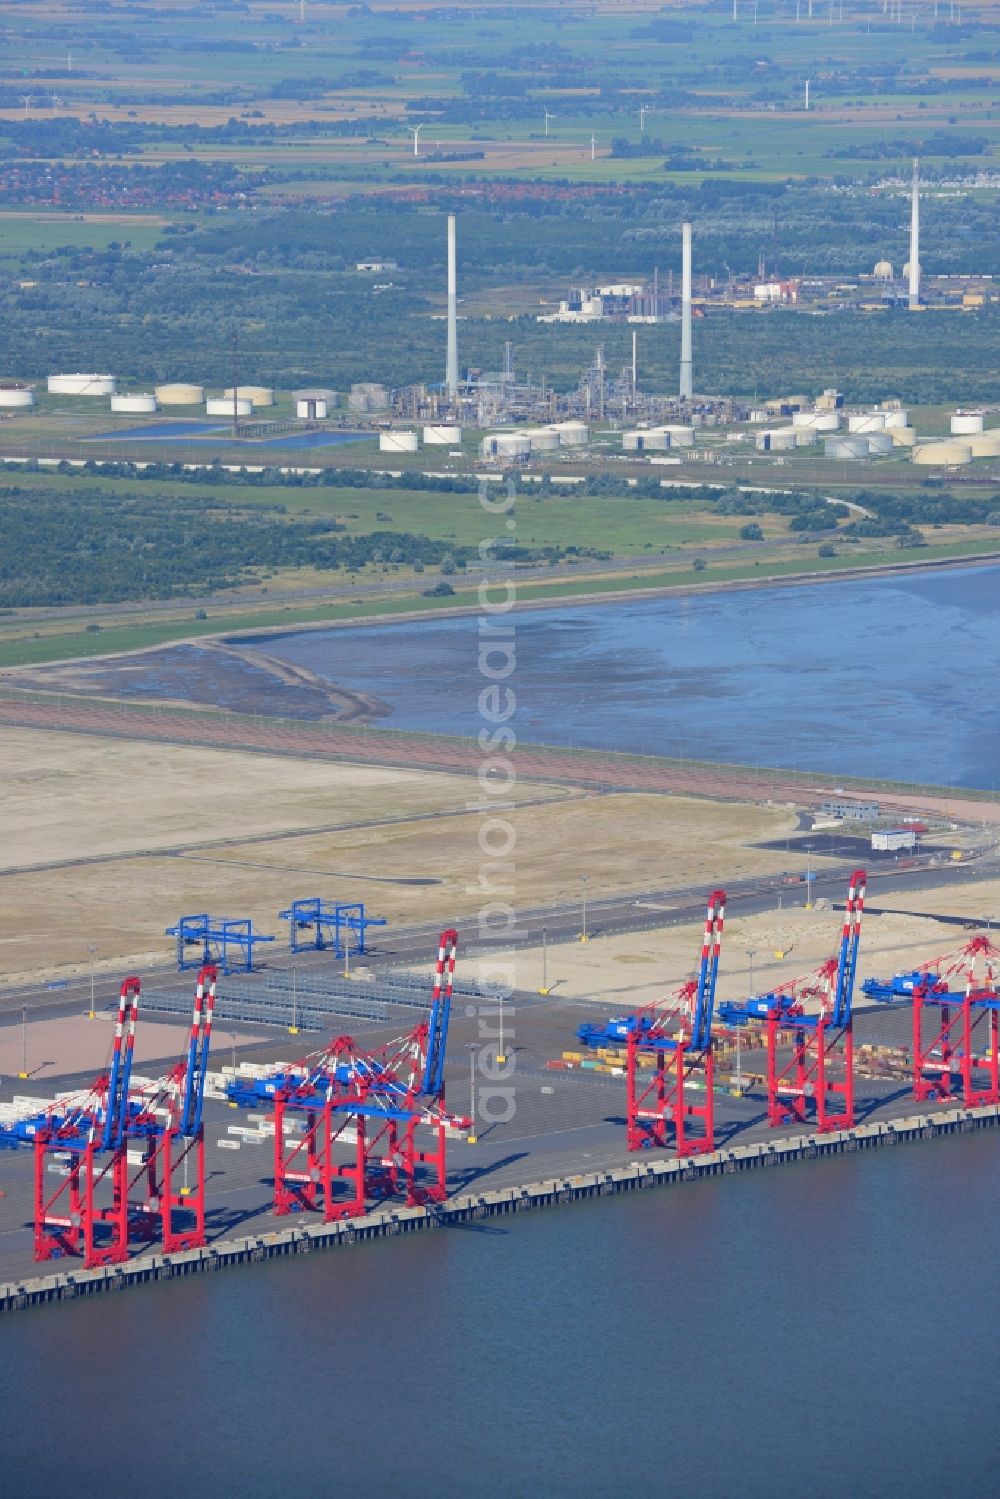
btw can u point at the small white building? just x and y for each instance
(894, 840)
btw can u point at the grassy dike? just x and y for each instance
(18, 647)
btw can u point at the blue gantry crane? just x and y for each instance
(326, 922)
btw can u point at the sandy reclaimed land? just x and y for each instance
(70, 796)
(75, 1044)
(620, 973)
(408, 872)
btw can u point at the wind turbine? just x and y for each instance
(69, 61)
(415, 132)
(26, 100)
(548, 117)
(593, 148)
(56, 101)
(644, 110)
(808, 81)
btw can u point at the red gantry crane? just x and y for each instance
(373, 1123)
(661, 1105)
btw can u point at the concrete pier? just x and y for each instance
(641, 1174)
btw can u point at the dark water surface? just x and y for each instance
(827, 1329)
(888, 677)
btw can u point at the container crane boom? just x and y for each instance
(708, 972)
(116, 1106)
(437, 1026)
(198, 1051)
(847, 963)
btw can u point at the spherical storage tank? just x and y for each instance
(223, 406)
(948, 453)
(845, 447)
(965, 422)
(397, 442)
(140, 402)
(442, 437)
(81, 385)
(257, 395)
(310, 408)
(16, 395)
(179, 393)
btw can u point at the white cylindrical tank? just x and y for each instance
(826, 421)
(397, 442)
(947, 453)
(310, 408)
(139, 402)
(572, 434)
(543, 439)
(804, 419)
(648, 440)
(879, 443)
(681, 436)
(81, 385)
(513, 445)
(898, 417)
(965, 422)
(844, 446)
(257, 395)
(442, 437)
(866, 421)
(223, 406)
(178, 393)
(776, 440)
(903, 437)
(16, 396)
(985, 444)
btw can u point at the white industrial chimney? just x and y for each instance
(915, 240)
(451, 373)
(686, 387)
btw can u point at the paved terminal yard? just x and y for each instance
(560, 1123)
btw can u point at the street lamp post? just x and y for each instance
(545, 962)
(24, 1042)
(92, 950)
(583, 908)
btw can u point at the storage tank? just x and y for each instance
(543, 439)
(140, 402)
(572, 434)
(898, 417)
(904, 437)
(680, 436)
(257, 395)
(178, 393)
(81, 385)
(949, 453)
(16, 396)
(223, 406)
(776, 440)
(879, 443)
(844, 446)
(442, 437)
(397, 442)
(803, 418)
(804, 436)
(825, 421)
(513, 445)
(648, 440)
(867, 421)
(318, 393)
(985, 444)
(963, 423)
(310, 408)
